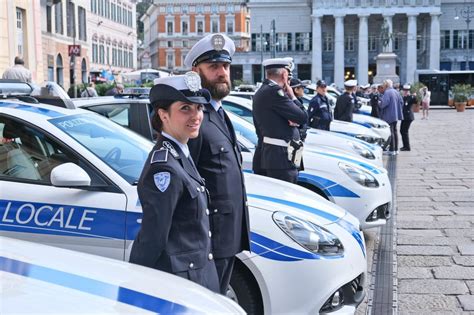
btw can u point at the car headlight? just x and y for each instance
(359, 175)
(309, 235)
(364, 152)
(370, 139)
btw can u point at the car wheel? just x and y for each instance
(243, 289)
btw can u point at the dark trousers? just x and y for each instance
(224, 268)
(404, 132)
(394, 134)
(289, 175)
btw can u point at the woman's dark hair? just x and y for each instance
(156, 122)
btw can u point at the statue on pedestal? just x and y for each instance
(385, 36)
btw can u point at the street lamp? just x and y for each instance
(467, 13)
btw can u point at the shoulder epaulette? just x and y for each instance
(159, 156)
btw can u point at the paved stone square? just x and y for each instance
(435, 216)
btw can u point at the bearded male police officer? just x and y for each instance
(277, 115)
(345, 103)
(217, 156)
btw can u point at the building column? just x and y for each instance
(339, 51)
(411, 49)
(363, 51)
(317, 55)
(389, 18)
(434, 41)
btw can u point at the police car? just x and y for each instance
(68, 178)
(360, 187)
(40, 279)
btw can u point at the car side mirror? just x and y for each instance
(69, 175)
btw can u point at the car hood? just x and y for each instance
(275, 195)
(352, 128)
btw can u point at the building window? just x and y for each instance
(169, 9)
(170, 61)
(200, 27)
(230, 8)
(185, 9)
(257, 43)
(71, 20)
(184, 27)
(130, 60)
(107, 9)
(82, 23)
(444, 39)
(230, 27)
(214, 9)
(185, 44)
(170, 44)
(49, 27)
(94, 6)
(107, 55)
(119, 14)
(471, 39)
(372, 43)
(94, 53)
(114, 56)
(19, 30)
(113, 12)
(418, 42)
(247, 26)
(119, 55)
(283, 42)
(349, 43)
(328, 43)
(59, 70)
(58, 15)
(124, 16)
(101, 54)
(130, 20)
(215, 26)
(199, 9)
(169, 28)
(101, 7)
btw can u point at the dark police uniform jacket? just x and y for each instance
(174, 235)
(219, 161)
(408, 102)
(319, 113)
(344, 107)
(272, 109)
(374, 103)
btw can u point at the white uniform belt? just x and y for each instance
(279, 142)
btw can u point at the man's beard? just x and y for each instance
(218, 90)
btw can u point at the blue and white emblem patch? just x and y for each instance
(162, 180)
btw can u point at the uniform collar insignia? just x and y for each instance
(170, 148)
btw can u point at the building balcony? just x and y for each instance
(347, 4)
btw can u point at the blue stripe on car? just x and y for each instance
(329, 187)
(362, 124)
(271, 249)
(92, 286)
(368, 167)
(32, 109)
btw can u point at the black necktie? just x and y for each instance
(220, 111)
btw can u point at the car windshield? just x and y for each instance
(245, 129)
(121, 149)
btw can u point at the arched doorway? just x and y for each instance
(84, 71)
(59, 71)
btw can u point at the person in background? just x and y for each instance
(277, 114)
(408, 101)
(345, 103)
(118, 89)
(319, 110)
(18, 72)
(425, 101)
(174, 233)
(298, 90)
(217, 156)
(89, 91)
(375, 97)
(391, 111)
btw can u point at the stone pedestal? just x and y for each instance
(386, 66)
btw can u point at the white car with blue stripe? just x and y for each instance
(40, 279)
(360, 187)
(68, 178)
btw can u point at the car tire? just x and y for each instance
(247, 294)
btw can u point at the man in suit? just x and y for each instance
(217, 155)
(277, 114)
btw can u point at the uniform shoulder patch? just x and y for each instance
(159, 156)
(280, 92)
(162, 180)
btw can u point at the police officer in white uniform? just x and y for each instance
(175, 234)
(217, 155)
(345, 103)
(277, 114)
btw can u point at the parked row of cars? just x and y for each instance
(68, 178)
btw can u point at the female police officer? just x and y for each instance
(174, 235)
